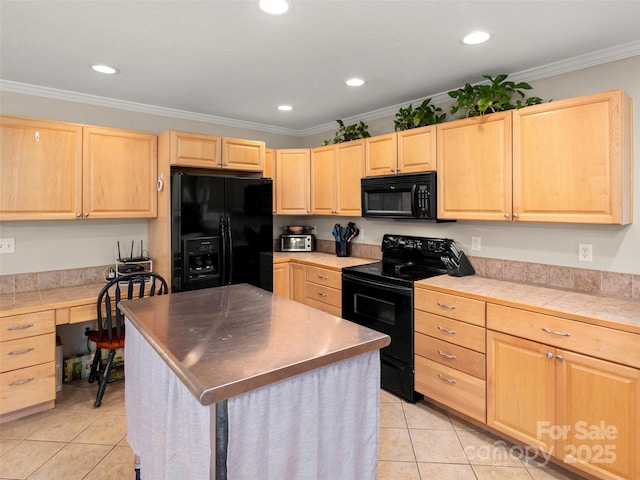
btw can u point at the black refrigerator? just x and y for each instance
(221, 231)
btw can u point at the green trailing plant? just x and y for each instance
(496, 96)
(421, 116)
(346, 133)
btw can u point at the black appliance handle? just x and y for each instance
(414, 201)
(230, 266)
(223, 248)
(361, 281)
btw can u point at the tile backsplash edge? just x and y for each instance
(620, 285)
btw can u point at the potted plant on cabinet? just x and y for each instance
(346, 133)
(496, 96)
(421, 116)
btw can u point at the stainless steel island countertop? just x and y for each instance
(225, 341)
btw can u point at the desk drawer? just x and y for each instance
(27, 387)
(460, 391)
(592, 340)
(453, 331)
(27, 325)
(324, 294)
(452, 306)
(25, 352)
(83, 313)
(451, 355)
(323, 276)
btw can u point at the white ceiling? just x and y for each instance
(228, 59)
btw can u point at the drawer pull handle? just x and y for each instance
(444, 305)
(22, 382)
(449, 380)
(450, 332)
(20, 352)
(322, 277)
(452, 357)
(322, 294)
(562, 334)
(21, 327)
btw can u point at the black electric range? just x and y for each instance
(380, 296)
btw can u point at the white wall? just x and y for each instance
(54, 245)
(615, 248)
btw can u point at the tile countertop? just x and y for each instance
(609, 312)
(225, 341)
(319, 259)
(52, 298)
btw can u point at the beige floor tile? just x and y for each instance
(437, 446)
(389, 397)
(395, 445)
(461, 424)
(118, 464)
(23, 427)
(398, 471)
(106, 430)
(484, 449)
(486, 472)
(73, 462)
(8, 444)
(60, 426)
(392, 415)
(26, 457)
(423, 415)
(446, 471)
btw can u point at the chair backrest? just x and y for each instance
(124, 287)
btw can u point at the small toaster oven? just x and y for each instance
(291, 242)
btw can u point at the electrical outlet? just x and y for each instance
(86, 331)
(7, 245)
(476, 244)
(585, 252)
(314, 228)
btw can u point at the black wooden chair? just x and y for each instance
(110, 333)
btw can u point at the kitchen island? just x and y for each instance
(287, 391)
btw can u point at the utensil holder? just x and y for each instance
(343, 249)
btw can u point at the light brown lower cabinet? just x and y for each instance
(281, 279)
(579, 409)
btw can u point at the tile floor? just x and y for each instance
(417, 442)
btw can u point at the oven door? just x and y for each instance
(384, 307)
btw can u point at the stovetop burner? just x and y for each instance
(407, 259)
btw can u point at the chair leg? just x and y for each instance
(95, 366)
(136, 466)
(105, 378)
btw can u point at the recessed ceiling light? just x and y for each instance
(285, 108)
(475, 38)
(274, 7)
(105, 69)
(355, 82)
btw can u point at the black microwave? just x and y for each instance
(400, 196)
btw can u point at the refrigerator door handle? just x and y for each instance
(230, 256)
(223, 247)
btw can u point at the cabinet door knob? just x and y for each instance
(78, 215)
(506, 215)
(515, 215)
(549, 355)
(86, 214)
(559, 358)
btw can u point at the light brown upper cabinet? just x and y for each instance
(209, 151)
(245, 155)
(572, 160)
(119, 173)
(474, 168)
(41, 169)
(293, 175)
(567, 161)
(56, 170)
(408, 151)
(336, 171)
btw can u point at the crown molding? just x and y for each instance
(598, 57)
